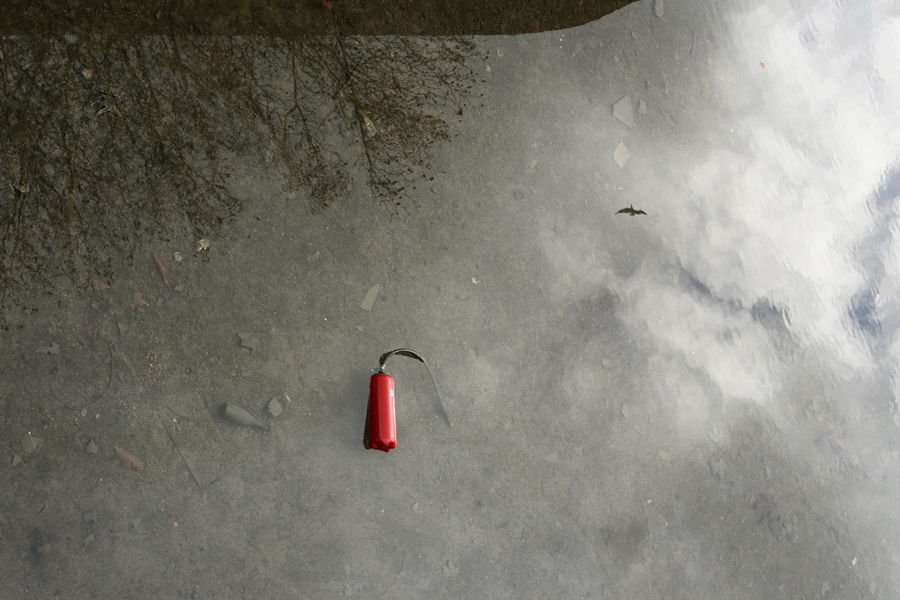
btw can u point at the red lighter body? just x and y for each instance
(381, 419)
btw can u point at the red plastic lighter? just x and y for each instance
(381, 416)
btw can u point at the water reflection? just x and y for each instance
(693, 402)
(776, 204)
(762, 283)
(111, 141)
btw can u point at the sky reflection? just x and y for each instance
(766, 204)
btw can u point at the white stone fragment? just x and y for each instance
(624, 111)
(621, 155)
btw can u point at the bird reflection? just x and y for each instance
(630, 210)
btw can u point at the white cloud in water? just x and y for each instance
(769, 201)
(731, 349)
(777, 204)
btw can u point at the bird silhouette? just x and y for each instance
(631, 211)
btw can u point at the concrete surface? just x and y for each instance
(698, 402)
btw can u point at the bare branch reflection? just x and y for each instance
(110, 141)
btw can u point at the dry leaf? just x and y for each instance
(129, 460)
(137, 301)
(99, 284)
(163, 269)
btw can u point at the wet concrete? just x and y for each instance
(688, 403)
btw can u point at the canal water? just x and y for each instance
(650, 261)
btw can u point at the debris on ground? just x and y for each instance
(240, 415)
(367, 124)
(621, 155)
(29, 443)
(274, 408)
(138, 301)
(369, 300)
(450, 568)
(53, 348)
(192, 446)
(249, 340)
(129, 460)
(163, 269)
(624, 111)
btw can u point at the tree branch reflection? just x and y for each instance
(112, 141)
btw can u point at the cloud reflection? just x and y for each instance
(767, 224)
(782, 204)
